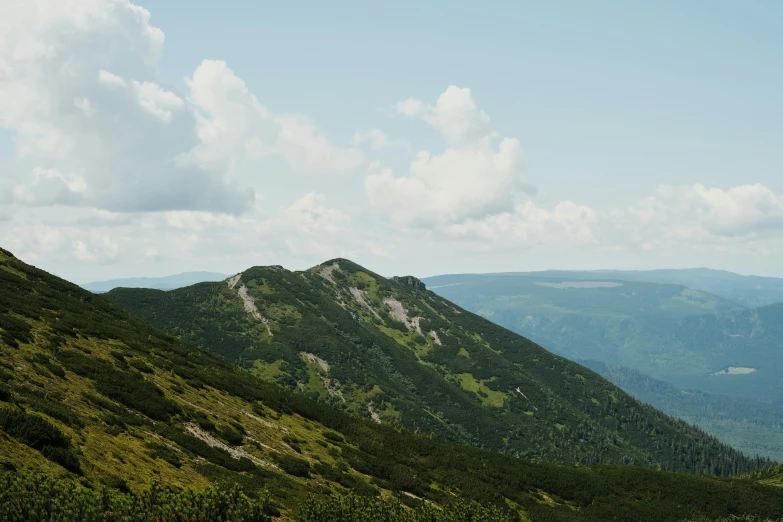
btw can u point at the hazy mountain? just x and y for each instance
(748, 291)
(754, 426)
(682, 336)
(158, 283)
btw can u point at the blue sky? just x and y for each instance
(639, 135)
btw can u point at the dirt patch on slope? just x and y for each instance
(326, 272)
(399, 313)
(232, 282)
(250, 307)
(237, 453)
(361, 297)
(312, 358)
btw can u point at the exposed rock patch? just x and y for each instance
(266, 422)
(399, 313)
(326, 272)
(332, 386)
(232, 282)
(237, 453)
(410, 281)
(373, 414)
(361, 297)
(250, 307)
(435, 336)
(312, 358)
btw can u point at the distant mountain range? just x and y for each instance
(660, 332)
(748, 291)
(159, 283)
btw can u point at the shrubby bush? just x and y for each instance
(40, 434)
(34, 497)
(366, 509)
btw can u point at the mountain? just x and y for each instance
(684, 337)
(93, 397)
(753, 426)
(748, 291)
(394, 352)
(159, 283)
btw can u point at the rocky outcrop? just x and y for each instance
(410, 281)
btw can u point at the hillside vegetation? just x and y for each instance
(106, 405)
(702, 346)
(392, 351)
(752, 425)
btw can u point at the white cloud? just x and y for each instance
(455, 115)
(80, 97)
(379, 140)
(50, 187)
(528, 224)
(79, 93)
(84, 105)
(157, 101)
(310, 214)
(236, 127)
(701, 214)
(107, 78)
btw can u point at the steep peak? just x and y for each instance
(6, 253)
(413, 282)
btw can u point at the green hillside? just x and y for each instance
(95, 398)
(751, 425)
(391, 351)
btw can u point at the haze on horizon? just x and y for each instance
(153, 138)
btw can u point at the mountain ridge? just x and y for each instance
(344, 335)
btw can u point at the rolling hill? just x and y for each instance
(95, 398)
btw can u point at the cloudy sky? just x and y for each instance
(156, 137)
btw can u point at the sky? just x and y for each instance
(154, 137)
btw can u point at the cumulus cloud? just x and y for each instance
(80, 98)
(376, 139)
(529, 224)
(79, 93)
(310, 214)
(236, 127)
(473, 178)
(456, 115)
(701, 214)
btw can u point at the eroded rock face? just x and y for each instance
(411, 281)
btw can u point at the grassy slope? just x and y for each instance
(463, 379)
(122, 392)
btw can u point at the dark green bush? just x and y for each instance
(294, 466)
(129, 388)
(40, 434)
(25, 498)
